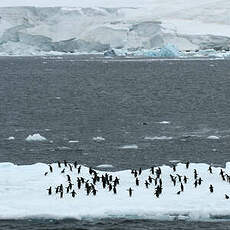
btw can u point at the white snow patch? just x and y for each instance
(35, 137)
(129, 147)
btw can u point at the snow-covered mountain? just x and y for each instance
(38, 26)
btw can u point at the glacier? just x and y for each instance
(138, 28)
(24, 193)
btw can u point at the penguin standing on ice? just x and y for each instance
(51, 169)
(210, 169)
(130, 191)
(59, 164)
(73, 193)
(211, 189)
(137, 182)
(147, 184)
(49, 190)
(187, 164)
(79, 169)
(226, 197)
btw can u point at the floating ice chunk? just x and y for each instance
(105, 166)
(158, 138)
(29, 183)
(164, 122)
(174, 161)
(63, 148)
(213, 137)
(11, 138)
(35, 137)
(73, 141)
(129, 147)
(98, 138)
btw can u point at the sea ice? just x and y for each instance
(213, 137)
(35, 137)
(158, 138)
(98, 138)
(24, 193)
(104, 166)
(129, 147)
(11, 138)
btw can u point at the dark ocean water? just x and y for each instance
(122, 100)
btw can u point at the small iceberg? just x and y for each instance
(98, 138)
(105, 166)
(11, 138)
(129, 147)
(212, 137)
(164, 122)
(73, 141)
(36, 137)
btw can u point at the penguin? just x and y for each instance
(46, 173)
(61, 187)
(179, 177)
(226, 197)
(140, 171)
(63, 171)
(178, 193)
(70, 167)
(187, 164)
(49, 190)
(90, 171)
(199, 181)
(111, 178)
(211, 189)
(110, 187)
(61, 194)
(79, 169)
(185, 179)
(144, 123)
(73, 193)
(174, 168)
(130, 191)
(135, 173)
(67, 189)
(182, 187)
(152, 170)
(51, 169)
(94, 192)
(150, 179)
(114, 190)
(75, 164)
(70, 185)
(147, 184)
(78, 183)
(160, 182)
(65, 163)
(195, 183)
(195, 174)
(59, 164)
(68, 178)
(137, 182)
(210, 169)
(57, 189)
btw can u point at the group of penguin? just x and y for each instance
(110, 182)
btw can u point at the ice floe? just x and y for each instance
(35, 137)
(158, 138)
(195, 191)
(134, 146)
(98, 139)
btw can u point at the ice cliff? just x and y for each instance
(58, 29)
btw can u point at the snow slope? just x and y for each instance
(24, 193)
(95, 26)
